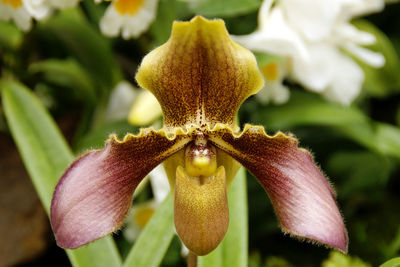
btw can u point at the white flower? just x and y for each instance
(16, 11)
(274, 34)
(311, 35)
(145, 109)
(120, 102)
(128, 17)
(41, 9)
(274, 91)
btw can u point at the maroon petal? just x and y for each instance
(303, 200)
(95, 193)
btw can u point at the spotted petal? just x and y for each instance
(200, 75)
(303, 200)
(95, 193)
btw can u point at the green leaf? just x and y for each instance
(212, 259)
(224, 8)
(360, 171)
(10, 36)
(233, 250)
(338, 259)
(96, 139)
(42, 147)
(392, 249)
(67, 73)
(46, 155)
(168, 11)
(380, 81)
(395, 262)
(263, 58)
(387, 138)
(84, 42)
(235, 243)
(308, 109)
(152, 243)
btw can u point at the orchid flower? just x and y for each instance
(200, 76)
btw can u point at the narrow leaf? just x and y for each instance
(213, 259)
(395, 262)
(307, 109)
(10, 36)
(154, 240)
(235, 243)
(385, 80)
(232, 252)
(96, 138)
(46, 154)
(67, 73)
(84, 42)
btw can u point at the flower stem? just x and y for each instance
(192, 260)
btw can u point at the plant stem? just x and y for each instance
(192, 260)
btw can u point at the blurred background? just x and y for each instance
(332, 76)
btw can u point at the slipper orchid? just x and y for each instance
(200, 77)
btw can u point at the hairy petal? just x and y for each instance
(200, 75)
(201, 211)
(95, 193)
(302, 198)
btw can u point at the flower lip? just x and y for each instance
(201, 211)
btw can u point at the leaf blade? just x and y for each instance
(235, 243)
(152, 243)
(46, 154)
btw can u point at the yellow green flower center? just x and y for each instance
(126, 6)
(270, 71)
(13, 3)
(143, 215)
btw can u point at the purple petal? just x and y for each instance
(95, 193)
(303, 200)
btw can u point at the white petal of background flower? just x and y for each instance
(19, 15)
(373, 59)
(316, 74)
(274, 35)
(313, 19)
(346, 81)
(274, 92)
(159, 183)
(40, 9)
(355, 8)
(312, 34)
(120, 102)
(346, 32)
(130, 26)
